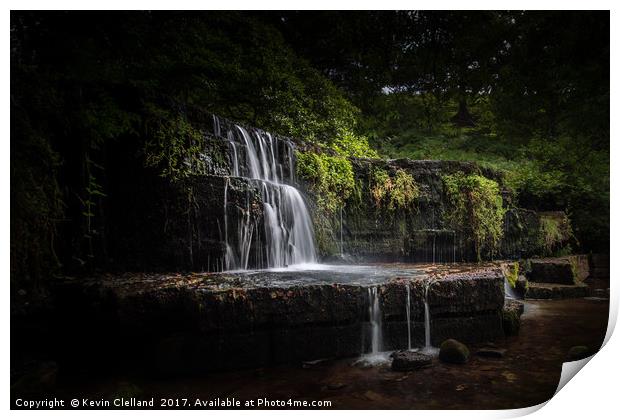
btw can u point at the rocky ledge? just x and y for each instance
(201, 322)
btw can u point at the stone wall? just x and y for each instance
(210, 322)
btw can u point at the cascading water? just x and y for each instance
(287, 226)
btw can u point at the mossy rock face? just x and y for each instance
(511, 272)
(522, 285)
(578, 353)
(452, 351)
(511, 317)
(553, 270)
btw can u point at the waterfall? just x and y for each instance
(427, 315)
(408, 312)
(374, 313)
(286, 225)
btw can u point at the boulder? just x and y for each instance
(407, 360)
(452, 351)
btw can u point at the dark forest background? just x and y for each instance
(526, 93)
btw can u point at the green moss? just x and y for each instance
(553, 231)
(330, 180)
(475, 208)
(398, 192)
(347, 143)
(511, 321)
(512, 274)
(175, 148)
(381, 185)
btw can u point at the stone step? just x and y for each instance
(556, 291)
(569, 270)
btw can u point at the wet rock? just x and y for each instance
(334, 386)
(600, 293)
(511, 316)
(578, 353)
(556, 291)
(205, 321)
(313, 363)
(522, 285)
(452, 351)
(569, 270)
(493, 353)
(406, 360)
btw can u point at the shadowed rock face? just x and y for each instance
(569, 270)
(210, 322)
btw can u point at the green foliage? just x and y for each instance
(553, 232)
(175, 147)
(381, 185)
(350, 144)
(330, 181)
(92, 85)
(512, 273)
(36, 204)
(330, 178)
(476, 209)
(398, 192)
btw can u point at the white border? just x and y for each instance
(593, 394)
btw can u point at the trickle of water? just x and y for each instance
(374, 313)
(408, 312)
(235, 159)
(427, 315)
(427, 325)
